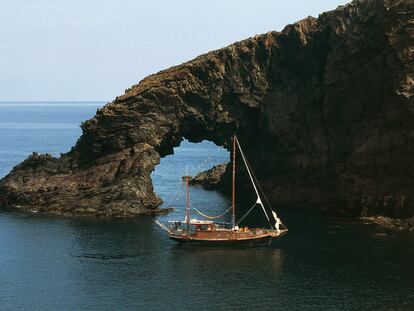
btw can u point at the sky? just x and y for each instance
(85, 50)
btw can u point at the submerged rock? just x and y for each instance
(324, 111)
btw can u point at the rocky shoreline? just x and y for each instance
(390, 223)
(324, 110)
(209, 179)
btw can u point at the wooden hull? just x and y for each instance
(211, 239)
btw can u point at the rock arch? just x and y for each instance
(323, 108)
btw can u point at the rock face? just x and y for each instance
(210, 179)
(324, 110)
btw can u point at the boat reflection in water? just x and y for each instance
(209, 232)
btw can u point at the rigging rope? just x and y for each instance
(264, 195)
(247, 213)
(208, 216)
(259, 201)
(176, 196)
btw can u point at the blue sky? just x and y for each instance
(94, 49)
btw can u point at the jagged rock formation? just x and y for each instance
(209, 179)
(324, 110)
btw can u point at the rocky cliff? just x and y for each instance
(210, 179)
(324, 110)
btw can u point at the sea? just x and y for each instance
(325, 261)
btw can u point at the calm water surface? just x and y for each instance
(325, 262)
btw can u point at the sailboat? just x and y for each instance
(210, 232)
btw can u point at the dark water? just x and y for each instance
(49, 263)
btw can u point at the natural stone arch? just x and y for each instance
(320, 109)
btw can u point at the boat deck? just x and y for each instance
(255, 236)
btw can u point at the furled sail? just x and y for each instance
(277, 221)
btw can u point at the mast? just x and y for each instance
(187, 209)
(233, 216)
